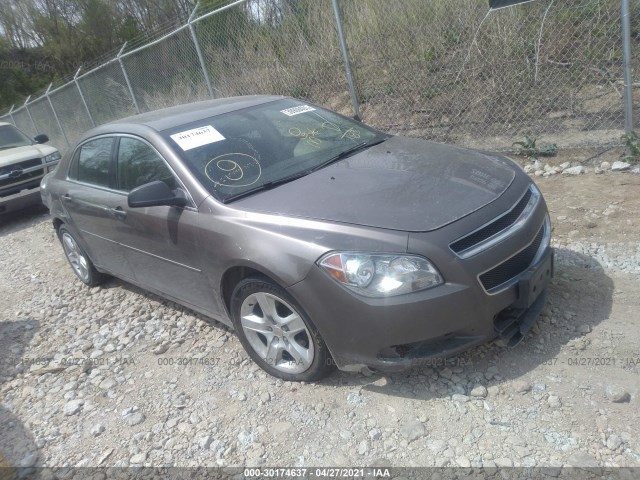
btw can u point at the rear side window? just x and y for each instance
(93, 162)
(139, 163)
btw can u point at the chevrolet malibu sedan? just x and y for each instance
(321, 241)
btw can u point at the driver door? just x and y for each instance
(161, 241)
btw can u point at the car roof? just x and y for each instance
(170, 117)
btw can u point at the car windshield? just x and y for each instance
(11, 137)
(248, 150)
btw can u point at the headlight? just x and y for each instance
(53, 157)
(381, 275)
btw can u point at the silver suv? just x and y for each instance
(23, 163)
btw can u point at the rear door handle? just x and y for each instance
(118, 212)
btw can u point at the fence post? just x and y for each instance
(26, 107)
(55, 115)
(194, 37)
(126, 78)
(84, 102)
(347, 64)
(626, 55)
(11, 115)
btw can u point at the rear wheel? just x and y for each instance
(276, 333)
(78, 259)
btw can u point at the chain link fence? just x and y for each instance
(448, 71)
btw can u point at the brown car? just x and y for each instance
(322, 241)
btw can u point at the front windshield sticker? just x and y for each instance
(197, 137)
(296, 110)
(233, 170)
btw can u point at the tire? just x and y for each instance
(78, 259)
(277, 334)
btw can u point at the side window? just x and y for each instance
(94, 161)
(73, 168)
(138, 164)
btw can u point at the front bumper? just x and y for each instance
(396, 333)
(27, 196)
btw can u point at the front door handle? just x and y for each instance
(118, 212)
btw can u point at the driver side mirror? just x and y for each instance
(42, 138)
(156, 194)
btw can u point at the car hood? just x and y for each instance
(401, 184)
(18, 154)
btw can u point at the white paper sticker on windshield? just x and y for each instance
(296, 110)
(197, 137)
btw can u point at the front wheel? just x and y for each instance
(78, 259)
(277, 334)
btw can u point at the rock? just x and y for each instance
(554, 401)
(375, 434)
(131, 416)
(97, 429)
(574, 170)
(160, 349)
(617, 394)
(503, 462)
(613, 442)
(381, 382)
(28, 461)
(529, 169)
(456, 397)
(138, 459)
(107, 384)
(565, 165)
(620, 166)
(72, 407)
(242, 396)
(363, 447)
(436, 445)
(479, 391)
(605, 165)
(265, 397)
(205, 442)
(463, 462)
(582, 459)
(354, 398)
(521, 386)
(584, 329)
(598, 171)
(411, 430)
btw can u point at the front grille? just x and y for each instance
(25, 176)
(493, 228)
(514, 266)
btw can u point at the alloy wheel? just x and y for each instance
(277, 333)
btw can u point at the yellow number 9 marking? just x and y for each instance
(233, 170)
(231, 166)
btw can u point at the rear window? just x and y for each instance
(92, 163)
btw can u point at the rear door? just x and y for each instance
(90, 202)
(162, 246)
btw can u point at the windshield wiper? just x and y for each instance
(266, 186)
(287, 179)
(349, 151)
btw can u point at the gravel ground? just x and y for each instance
(114, 376)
